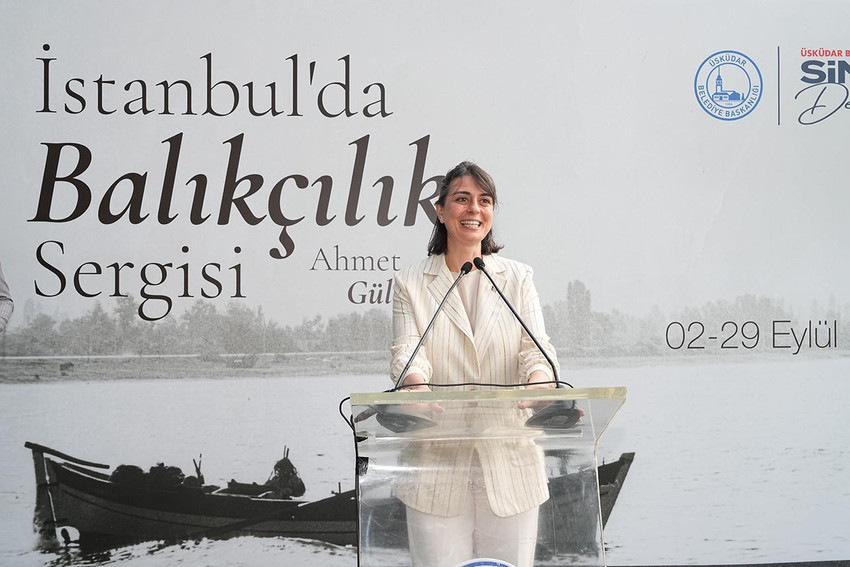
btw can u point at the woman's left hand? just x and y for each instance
(537, 380)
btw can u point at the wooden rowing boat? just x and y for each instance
(79, 495)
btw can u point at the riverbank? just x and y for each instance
(15, 370)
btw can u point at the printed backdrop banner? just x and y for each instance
(224, 190)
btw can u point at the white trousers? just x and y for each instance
(437, 541)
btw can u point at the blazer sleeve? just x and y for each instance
(530, 357)
(406, 331)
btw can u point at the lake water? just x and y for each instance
(735, 462)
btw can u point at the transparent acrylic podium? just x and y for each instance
(416, 448)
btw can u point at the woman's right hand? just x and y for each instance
(417, 383)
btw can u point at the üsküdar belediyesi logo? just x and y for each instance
(728, 85)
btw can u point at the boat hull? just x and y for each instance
(104, 512)
(72, 493)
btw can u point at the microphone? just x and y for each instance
(396, 421)
(479, 263)
(365, 414)
(557, 415)
(465, 269)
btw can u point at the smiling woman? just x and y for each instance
(475, 499)
(467, 199)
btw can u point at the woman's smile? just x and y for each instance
(467, 213)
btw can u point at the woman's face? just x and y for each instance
(467, 213)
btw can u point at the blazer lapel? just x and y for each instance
(439, 286)
(489, 304)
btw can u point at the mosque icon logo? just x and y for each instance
(722, 97)
(728, 85)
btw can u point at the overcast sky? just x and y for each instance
(608, 169)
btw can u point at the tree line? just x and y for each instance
(574, 328)
(202, 329)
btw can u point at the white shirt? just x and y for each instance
(467, 287)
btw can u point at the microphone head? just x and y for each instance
(401, 422)
(365, 414)
(466, 268)
(558, 415)
(479, 263)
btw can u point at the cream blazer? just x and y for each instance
(499, 352)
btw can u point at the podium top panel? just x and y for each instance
(581, 414)
(496, 394)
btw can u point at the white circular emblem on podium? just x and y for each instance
(485, 562)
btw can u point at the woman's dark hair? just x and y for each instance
(439, 236)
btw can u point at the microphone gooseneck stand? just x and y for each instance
(465, 269)
(557, 415)
(396, 421)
